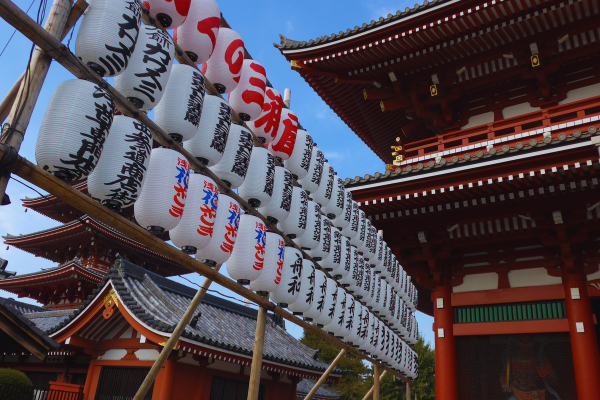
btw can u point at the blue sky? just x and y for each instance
(259, 22)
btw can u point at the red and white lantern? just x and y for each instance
(320, 293)
(248, 255)
(324, 193)
(144, 81)
(108, 35)
(248, 97)
(294, 225)
(120, 172)
(73, 130)
(329, 304)
(198, 220)
(307, 289)
(224, 234)
(335, 207)
(288, 289)
(233, 166)
(283, 144)
(312, 235)
(270, 277)
(299, 161)
(224, 67)
(257, 188)
(170, 13)
(161, 202)
(266, 125)
(208, 144)
(278, 209)
(180, 108)
(197, 36)
(312, 180)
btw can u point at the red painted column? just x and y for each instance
(586, 360)
(446, 378)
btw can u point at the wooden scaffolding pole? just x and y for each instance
(375, 382)
(257, 353)
(31, 85)
(173, 339)
(8, 101)
(370, 392)
(323, 377)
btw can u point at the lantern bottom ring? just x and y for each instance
(339, 337)
(308, 319)
(377, 272)
(243, 282)
(63, 176)
(337, 277)
(291, 236)
(210, 263)
(262, 139)
(155, 230)
(272, 220)
(97, 68)
(262, 293)
(164, 19)
(357, 297)
(297, 313)
(331, 216)
(227, 183)
(193, 56)
(112, 205)
(317, 258)
(279, 159)
(244, 116)
(5, 200)
(345, 285)
(328, 269)
(220, 88)
(360, 252)
(202, 160)
(282, 305)
(189, 249)
(138, 103)
(176, 137)
(255, 203)
(320, 325)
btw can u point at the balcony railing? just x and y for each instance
(18, 392)
(553, 123)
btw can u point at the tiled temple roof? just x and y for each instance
(305, 385)
(21, 312)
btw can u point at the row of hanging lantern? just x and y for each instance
(320, 215)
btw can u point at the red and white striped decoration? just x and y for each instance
(198, 35)
(265, 127)
(248, 97)
(283, 144)
(224, 67)
(248, 255)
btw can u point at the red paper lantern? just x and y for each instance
(198, 34)
(224, 67)
(248, 97)
(265, 127)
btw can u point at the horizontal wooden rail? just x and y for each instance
(63, 191)
(20, 20)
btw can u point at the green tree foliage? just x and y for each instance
(13, 377)
(425, 384)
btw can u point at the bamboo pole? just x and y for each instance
(11, 96)
(257, 353)
(408, 394)
(370, 392)
(323, 377)
(31, 85)
(173, 339)
(63, 191)
(375, 382)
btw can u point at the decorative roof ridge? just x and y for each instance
(75, 261)
(289, 44)
(76, 186)
(455, 161)
(19, 304)
(50, 313)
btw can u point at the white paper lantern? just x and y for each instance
(387, 260)
(345, 262)
(358, 288)
(266, 125)
(416, 299)
(208, 144)
(355, 338)
(372, 243)
(257, 188)
(329, 305)
(224, 234)
(161, 202)
(144, 81)
(248, 255)
(285, 140)
(299, 161)
(224, 66)
(382, 342)
(312, 180)
(295, 224)
(378, 298)
(351, 230)
(270, 277)
(120, 172)
(376, 338)
(73, 129)
(350, 317)
(307, 289)
(348, 280)
(323, 194)
(169, 13)
(335, 207)
(343, 220)
(323, 249)
(359, 239)
(397, 277)
(337, 321)
(312, 235)
(180, 108)
(367, 318)
(197, 36)
(368, 277)
(288, 289)
(331, 263)
(371, 298)
(278, 209)
(378, 261)
(367, 244)
(249, 95)
(383, 300)
(391, 272)
(233, 166)
(198, 220)
(320, 293)
(108, 34)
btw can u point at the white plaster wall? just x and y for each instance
(518, 109)
(532, 277)
(581, 93)
(113, 354)
(595, 275)
(479, 119)
(472, 283)
(147, 354)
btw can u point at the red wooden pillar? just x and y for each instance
(446, 378)
(586, 360)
